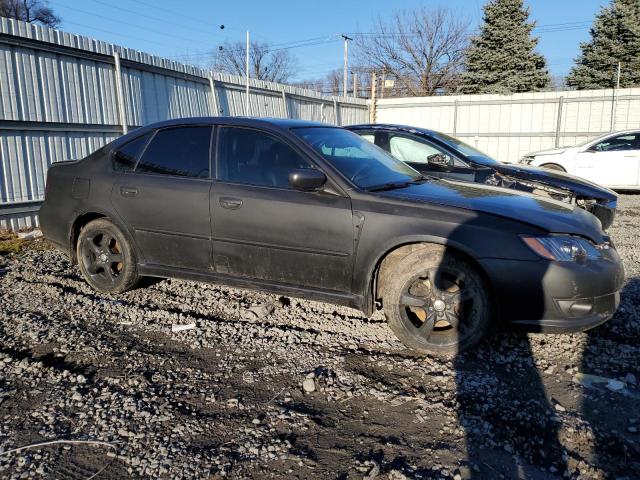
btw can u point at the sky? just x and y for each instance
(189, 30)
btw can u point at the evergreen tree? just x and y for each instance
(502, 57)
(615, 37)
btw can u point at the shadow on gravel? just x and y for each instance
(613, 416)
(510, 426)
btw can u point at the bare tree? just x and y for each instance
(265, 62)
(422, 49)
(32, 11)
(331, 83)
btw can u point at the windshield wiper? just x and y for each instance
(395, 185)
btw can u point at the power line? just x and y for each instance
(551, 27)
(126, 23)
(120, 34)
(308, 42)
(176, 12)
(172, 23)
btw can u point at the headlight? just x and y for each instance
(563, 248)
(526, 160)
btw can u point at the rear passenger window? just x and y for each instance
(180, 151)
(124, 159)
(256, 158)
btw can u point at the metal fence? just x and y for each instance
(63, 96)
(509, 126)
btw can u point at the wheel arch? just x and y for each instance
(393, 254)
(553, 164)
(90, 215)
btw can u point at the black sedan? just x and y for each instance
(309, 210)
(436, 154)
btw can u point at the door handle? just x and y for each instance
(230, 203)
(128, 191)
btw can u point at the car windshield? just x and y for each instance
(466, 150)
(365, 164)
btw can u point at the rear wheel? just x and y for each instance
(553, 166)
(436, 303)
(106, 258)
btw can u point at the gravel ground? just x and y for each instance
(265, 386)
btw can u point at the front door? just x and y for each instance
(613, 162)
(165, 201)
(415, 151)
(264, 229)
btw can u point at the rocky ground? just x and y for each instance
(264, 386)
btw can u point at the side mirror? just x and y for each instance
(439, 160)
(307, 179)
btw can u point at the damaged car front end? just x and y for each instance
(599, 201)
(436, 154)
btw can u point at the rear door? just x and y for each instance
(164, 201)
(264, 229)
(612, 162)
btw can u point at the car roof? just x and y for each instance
(249, 121)
(392, 127)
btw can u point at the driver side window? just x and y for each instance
(618, 143)
(256, 158)
(413, 150)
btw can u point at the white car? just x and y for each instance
(612, 160)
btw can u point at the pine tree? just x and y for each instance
(502, 57)
(615, 37)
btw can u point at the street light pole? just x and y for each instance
(246, 100)
(345, 80)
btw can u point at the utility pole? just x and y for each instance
(246, 100)
(614, 106)
(355, 84)
(346, 64)
(372, 104)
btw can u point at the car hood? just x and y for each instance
(580, 186)
(547, 214)
(551, 151)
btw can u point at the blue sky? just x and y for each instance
(189, 29)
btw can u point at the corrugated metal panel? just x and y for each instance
(25, 156)
(18, 221)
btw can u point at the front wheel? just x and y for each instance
(437, 303)
(106, 258)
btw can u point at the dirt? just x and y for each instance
(226, 398)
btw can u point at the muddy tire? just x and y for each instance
(436, 303)
(106, 258)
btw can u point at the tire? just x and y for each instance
(553, 166)
(445, 320)
(106, 258)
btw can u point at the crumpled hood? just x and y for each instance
(547, 214)
(582, 187)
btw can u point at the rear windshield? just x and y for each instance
(362, 162)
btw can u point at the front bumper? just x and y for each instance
(556, 297)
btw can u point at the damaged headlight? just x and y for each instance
(563, 248)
